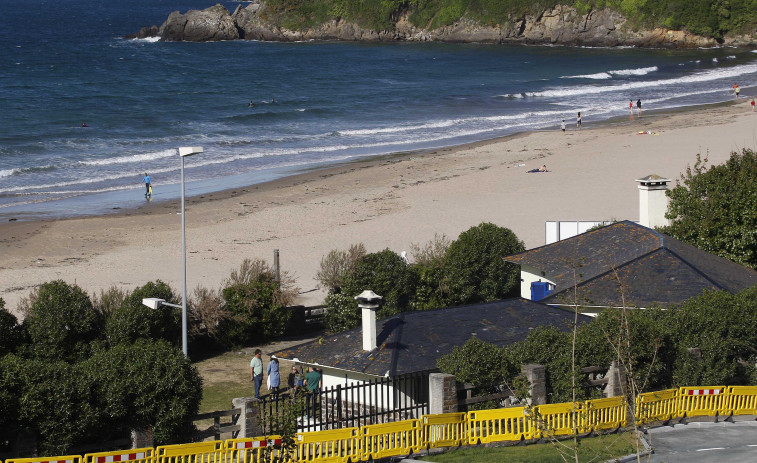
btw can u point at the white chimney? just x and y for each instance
(652, 201)
(369, 302)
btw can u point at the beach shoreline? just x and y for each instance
(383, 201)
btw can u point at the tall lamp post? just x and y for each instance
(153, 302)
(184, 152)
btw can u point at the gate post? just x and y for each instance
(442, 393)
(537, 378)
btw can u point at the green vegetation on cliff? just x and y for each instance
(709, 18)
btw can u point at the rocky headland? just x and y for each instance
(559, 25)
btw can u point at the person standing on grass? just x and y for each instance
(274, 377)
(313, 381)
(256, 372)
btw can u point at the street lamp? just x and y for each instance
(184, 151)
(154, 303)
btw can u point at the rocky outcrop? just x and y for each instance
(559, 25)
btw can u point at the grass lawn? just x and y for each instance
(593, 449)
(224, 377)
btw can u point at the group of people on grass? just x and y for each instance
(310, 382)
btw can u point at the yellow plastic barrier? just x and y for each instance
(558, 419)
(657, 406)
(742, 400)
(338, 446)
(200, 452)
(63, 459)
(701, 401)
(252, 449)
(390, 439)
(503, 424)
(607, 413)
(444, 430)
(144, 455)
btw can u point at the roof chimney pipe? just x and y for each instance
(369, 302)
(652, 201)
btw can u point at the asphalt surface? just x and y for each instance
(704, 442)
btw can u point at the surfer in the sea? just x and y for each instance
(251, 105)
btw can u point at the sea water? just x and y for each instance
(65, 63)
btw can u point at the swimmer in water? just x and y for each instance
(251, 105)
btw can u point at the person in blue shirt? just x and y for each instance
(147, 184)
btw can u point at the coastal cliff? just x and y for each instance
(561, 24)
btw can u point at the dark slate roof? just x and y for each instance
(412, 341)
(654, 268)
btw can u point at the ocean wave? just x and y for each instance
(511, 95)
(7, 172)
(703, 76)
(141, 158)
(618, 72)
(147, 39)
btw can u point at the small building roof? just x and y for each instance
(654, 268)
(413, 341)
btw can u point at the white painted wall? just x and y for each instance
(529, 275)
(557, 230)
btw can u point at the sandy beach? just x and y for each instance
(383, 203)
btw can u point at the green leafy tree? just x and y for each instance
(11, 332)
(722, 327)
(156, 388)
(10, 394)
(480, 363)
(715, 208)
(255, 312)
(476, 271)
(61, 321)
(132, 320)
(342, 313)
(387, 275)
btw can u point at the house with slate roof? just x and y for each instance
(651, 269)
(412, 341)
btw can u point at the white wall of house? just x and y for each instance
(529, 275)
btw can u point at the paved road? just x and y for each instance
(705, 442)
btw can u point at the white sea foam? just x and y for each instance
(141, 158)
(730, 57)
(714, 60)
(703, 76)
(7, 172)
(618, 72)
(148, 39)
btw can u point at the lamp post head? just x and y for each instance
(186, 151)
(153, 302)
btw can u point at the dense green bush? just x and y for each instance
(132, 320)
(479, 363)
(342, 314)
(387, 275)
(256, 313)
(11, 332)
(715, 208)
(61, 321)
(475, 269)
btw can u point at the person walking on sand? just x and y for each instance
(274, 378)
(736, 90)
(562, 125)
(578, 121)
(752, 104)
(148, 185)
(256, 372)
(638, 106)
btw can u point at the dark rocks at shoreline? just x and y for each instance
(560, 25)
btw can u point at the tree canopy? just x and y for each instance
(715, 208)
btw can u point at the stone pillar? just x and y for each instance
(537, 378)
(616, 381)
(442, 393)
(141, 439)
(249, 427)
